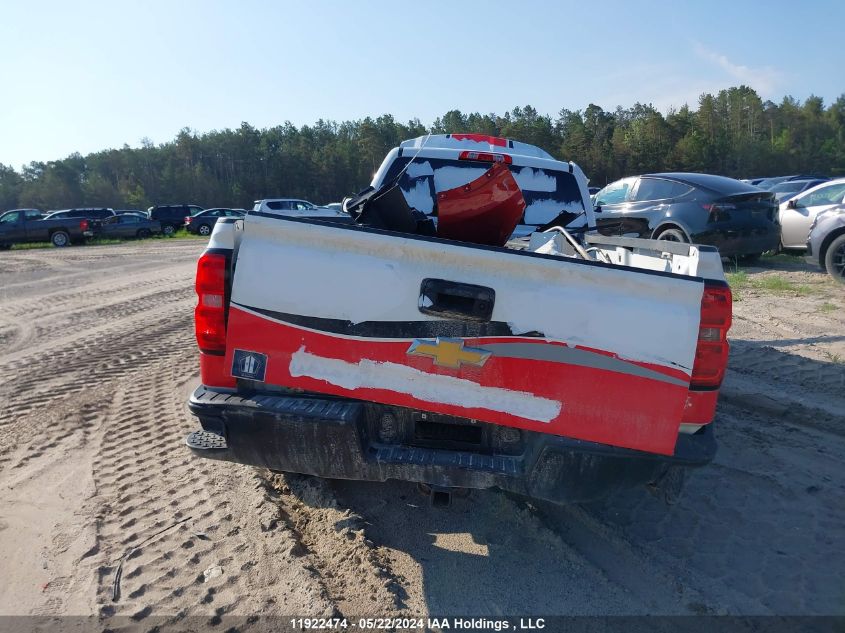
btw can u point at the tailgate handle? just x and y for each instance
(452, 299)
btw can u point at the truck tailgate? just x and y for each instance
(579, 349)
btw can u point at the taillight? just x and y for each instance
(187, 219)
(210, 313)
(719, 212)
(83, 225)
(711, 353)
(487, 157)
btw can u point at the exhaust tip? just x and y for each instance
(440, 498)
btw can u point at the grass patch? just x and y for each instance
(104, 241)
(28, 246)
(109, 241)
(784, 257)
(775, 283)
(835, 358)
(827, 307)
(739, 280)
(179, 235)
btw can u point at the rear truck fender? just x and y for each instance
(590, 351)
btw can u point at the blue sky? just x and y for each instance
(89, 75)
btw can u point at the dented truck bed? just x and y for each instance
(348, 352)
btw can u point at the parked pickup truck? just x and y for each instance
(562, 366)
(29, 225)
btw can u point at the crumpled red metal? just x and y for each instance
(484, 211)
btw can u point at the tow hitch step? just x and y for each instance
(206, 441)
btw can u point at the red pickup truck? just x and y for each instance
(563, 365)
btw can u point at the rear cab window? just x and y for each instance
(547, 192)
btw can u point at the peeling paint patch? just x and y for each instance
(368, 374)
(419, 169)
(530, 179)
(546, 210)
(446, 178)
(419, 197)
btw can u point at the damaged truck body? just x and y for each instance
(410, 342)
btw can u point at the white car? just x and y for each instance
(294, 207)
(797, 214)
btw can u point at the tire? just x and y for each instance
(60, 239)
(834, 259)
(204, 229)
(142, 233)
(168, 230)
(673, 235)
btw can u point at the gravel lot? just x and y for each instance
(97, 357)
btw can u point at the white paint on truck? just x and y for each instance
(368, 374)
(332, 272)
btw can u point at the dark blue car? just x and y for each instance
(737, 218)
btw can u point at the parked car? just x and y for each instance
(295, 208)
(90, 213)
(127, 225)
(138, 212)
(790, 188)
(172, 216)
(797, 214)
(737, 218)
(31, 225)
(753, 181)
(768, 183)
(335, 206)
(202, 223)
(826, 242)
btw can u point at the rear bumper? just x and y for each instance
(344, 439)
(733, 240)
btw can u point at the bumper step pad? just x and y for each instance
(206, 441)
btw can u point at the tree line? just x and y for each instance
(733, 133)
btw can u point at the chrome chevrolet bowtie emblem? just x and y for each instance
(449, 352)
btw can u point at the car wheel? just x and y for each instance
(60, 239)
(673, 235)
(834, 259)
(168, 230)
(143, 233)
(204, 229)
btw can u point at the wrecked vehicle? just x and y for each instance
(467, 328)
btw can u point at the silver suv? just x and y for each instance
(826, 243)
(294, 207)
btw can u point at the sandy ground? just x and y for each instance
(97, 357)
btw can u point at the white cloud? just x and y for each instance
(764, 80)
